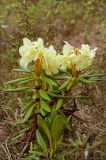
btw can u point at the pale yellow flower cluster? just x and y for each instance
(30, 51)
(52, 62)
(79, 58)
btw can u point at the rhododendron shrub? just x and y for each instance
(47, 84)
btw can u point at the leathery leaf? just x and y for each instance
(48, 80)
(59, 104)
(45, 106)
(41, 142)
(28, 114)
(42, 123)
(57, 128)
(44, 95)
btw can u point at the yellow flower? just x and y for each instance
(52, 61)
(27, 51)
(30, 51)
(23, 63)
(78, 59)
(84, 57)
(39, 46)
(67, 51)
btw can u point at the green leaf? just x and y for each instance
(85, 140)
(42, 123)
(41, 142)
(67, 123)
(86, 74)
(65, 84)
(73, 143)
(28, 114)
(60, 157)
(79, 141)
(31, 146)
(43, 113)
(45, 106)
(36, 155)
(59, 104)
(25, 104)
(48, 80)
(99, 74)
(26, 81)
(85, 80)
(61, 77)
(52, 116)
(19, 80)
(72, 83)
(92, 74)
(17, 89)
(23, 70)
(96, 79)
(44, 95)
(57, 128)
(58, 95)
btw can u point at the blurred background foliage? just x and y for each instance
(75, 21)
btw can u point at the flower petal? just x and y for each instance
(23, 63)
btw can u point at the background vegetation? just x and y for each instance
(76, 21)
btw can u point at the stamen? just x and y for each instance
(77, 51)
